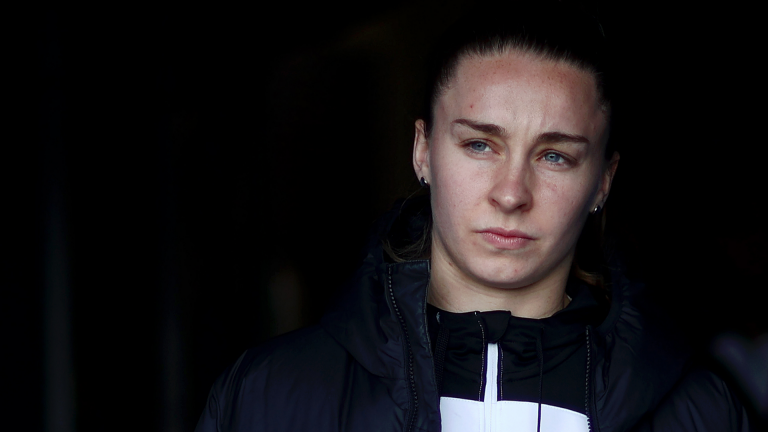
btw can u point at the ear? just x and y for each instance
(421, 152)
(606, 180)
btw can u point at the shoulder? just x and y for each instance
(303, 351)
(304, 368)
(700, 401)
(309, 356)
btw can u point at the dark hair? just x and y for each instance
(553, 30)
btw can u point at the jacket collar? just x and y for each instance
(382, 322)
(639, 357)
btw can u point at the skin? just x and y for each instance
(517, 143)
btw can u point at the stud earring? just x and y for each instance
(597, 209)
(423, 183)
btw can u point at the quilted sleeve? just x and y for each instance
(700, 402)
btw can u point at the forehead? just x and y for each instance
(514, 87)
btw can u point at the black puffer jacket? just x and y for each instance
(369, 367)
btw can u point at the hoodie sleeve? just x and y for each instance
(700, 402)
(210, 418)
(222, 391)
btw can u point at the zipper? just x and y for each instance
(589, 400)
(411, 379)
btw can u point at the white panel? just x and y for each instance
(462, 415)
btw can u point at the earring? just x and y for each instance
(423, 183)
(596, 210)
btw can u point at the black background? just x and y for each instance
(184, 182)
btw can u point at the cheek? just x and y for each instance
(457, 187)
(565, 202)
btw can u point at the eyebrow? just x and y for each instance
(545, 138)
(486, 128)
(560, 137)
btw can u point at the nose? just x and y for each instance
(511, 189)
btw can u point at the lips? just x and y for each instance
(501, 238)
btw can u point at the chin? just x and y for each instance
(506, 275)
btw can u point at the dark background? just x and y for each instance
(184, 182)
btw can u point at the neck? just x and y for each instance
(541, 299)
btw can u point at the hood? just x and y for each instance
(638, 356)
(381, 320)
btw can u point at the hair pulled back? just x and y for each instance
(551, 30)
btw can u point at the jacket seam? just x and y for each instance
(218, 412)
(430, 354)
(408, 367)
(482, 361)
(593, 423)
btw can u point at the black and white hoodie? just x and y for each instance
(385, 360)
(495, 371)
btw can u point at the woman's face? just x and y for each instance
(515, 164)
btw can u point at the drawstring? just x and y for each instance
(540, 353)
(586, 392)
(440, 349)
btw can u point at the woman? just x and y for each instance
(494, 325)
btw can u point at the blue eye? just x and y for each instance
(554, 158)
(479, 146)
